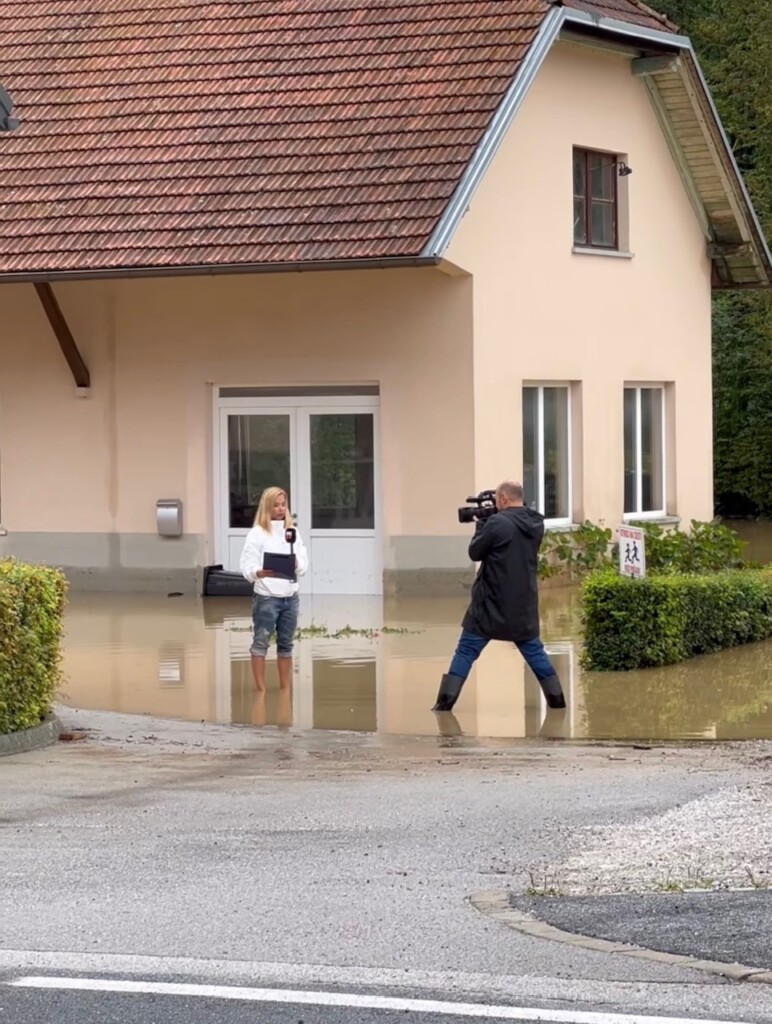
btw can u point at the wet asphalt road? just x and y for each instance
(731, 927)
(32, 1006)
(19, 1006)
(338, 865)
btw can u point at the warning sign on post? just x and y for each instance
(632, 551)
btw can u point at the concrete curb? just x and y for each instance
(40, 736)
(496, 905)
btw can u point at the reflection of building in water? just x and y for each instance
(190, 659)
(387, 683)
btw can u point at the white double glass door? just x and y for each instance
(323, 452)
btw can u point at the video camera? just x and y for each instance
(480, 507)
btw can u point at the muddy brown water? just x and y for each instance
(189, 659)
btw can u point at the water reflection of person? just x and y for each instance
(284, 710)
(275, 604)
(258, 708)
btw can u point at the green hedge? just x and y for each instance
(31, 607)
(664, 619)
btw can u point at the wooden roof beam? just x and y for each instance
(656, 65)
(63, 334)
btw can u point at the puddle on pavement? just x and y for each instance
(189, 659)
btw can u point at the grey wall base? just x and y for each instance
(427, 582)
(187, 582)
(428, 566)
(116, 562)
(40, 736)
(147, 564)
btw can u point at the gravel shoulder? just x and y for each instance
(722, 840)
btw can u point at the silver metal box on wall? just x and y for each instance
(168, 517)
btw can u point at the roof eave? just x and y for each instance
(212, 270)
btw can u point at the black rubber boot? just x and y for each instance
(450, 688)
(553, 692)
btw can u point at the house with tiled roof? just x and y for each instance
(383, 253)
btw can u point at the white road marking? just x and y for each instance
(345, 1000)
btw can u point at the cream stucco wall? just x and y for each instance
(543, 313)
(92, 468)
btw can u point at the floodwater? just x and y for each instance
(189, 659)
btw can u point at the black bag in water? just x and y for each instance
(218, 582)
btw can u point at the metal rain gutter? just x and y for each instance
(215, 270)
(626, 29)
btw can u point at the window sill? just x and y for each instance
(558, 527)
(616, 254)
(3, 532)
(657, 518)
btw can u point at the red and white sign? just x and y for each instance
(632, 551)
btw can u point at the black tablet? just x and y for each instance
(280, 565)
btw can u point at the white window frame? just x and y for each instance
(654, 513)
(567, 520)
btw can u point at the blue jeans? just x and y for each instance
(471, 645)
(274, 613)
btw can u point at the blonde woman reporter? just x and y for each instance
(275, 604)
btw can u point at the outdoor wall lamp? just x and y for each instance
(7, 123)
(623, 169)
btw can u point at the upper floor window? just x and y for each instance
(644, 430)
(596, 214)
(547, 452)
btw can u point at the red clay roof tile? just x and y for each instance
(633, 11)
(177, 133)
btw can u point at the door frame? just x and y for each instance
(299, 458)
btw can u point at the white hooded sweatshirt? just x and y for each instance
(257, 543)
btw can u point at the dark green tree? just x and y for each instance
(733, 41)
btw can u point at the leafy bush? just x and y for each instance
(574, 552)
(708, 547)
(31, 607)
(664, 619)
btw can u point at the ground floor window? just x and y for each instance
(644, 442)
(547, 451)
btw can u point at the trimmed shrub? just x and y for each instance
(31, 607)
(664, 619)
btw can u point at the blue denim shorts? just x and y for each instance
(274, 613)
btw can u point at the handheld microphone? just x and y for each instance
(290, 536)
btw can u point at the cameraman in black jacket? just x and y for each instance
(505, 597)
